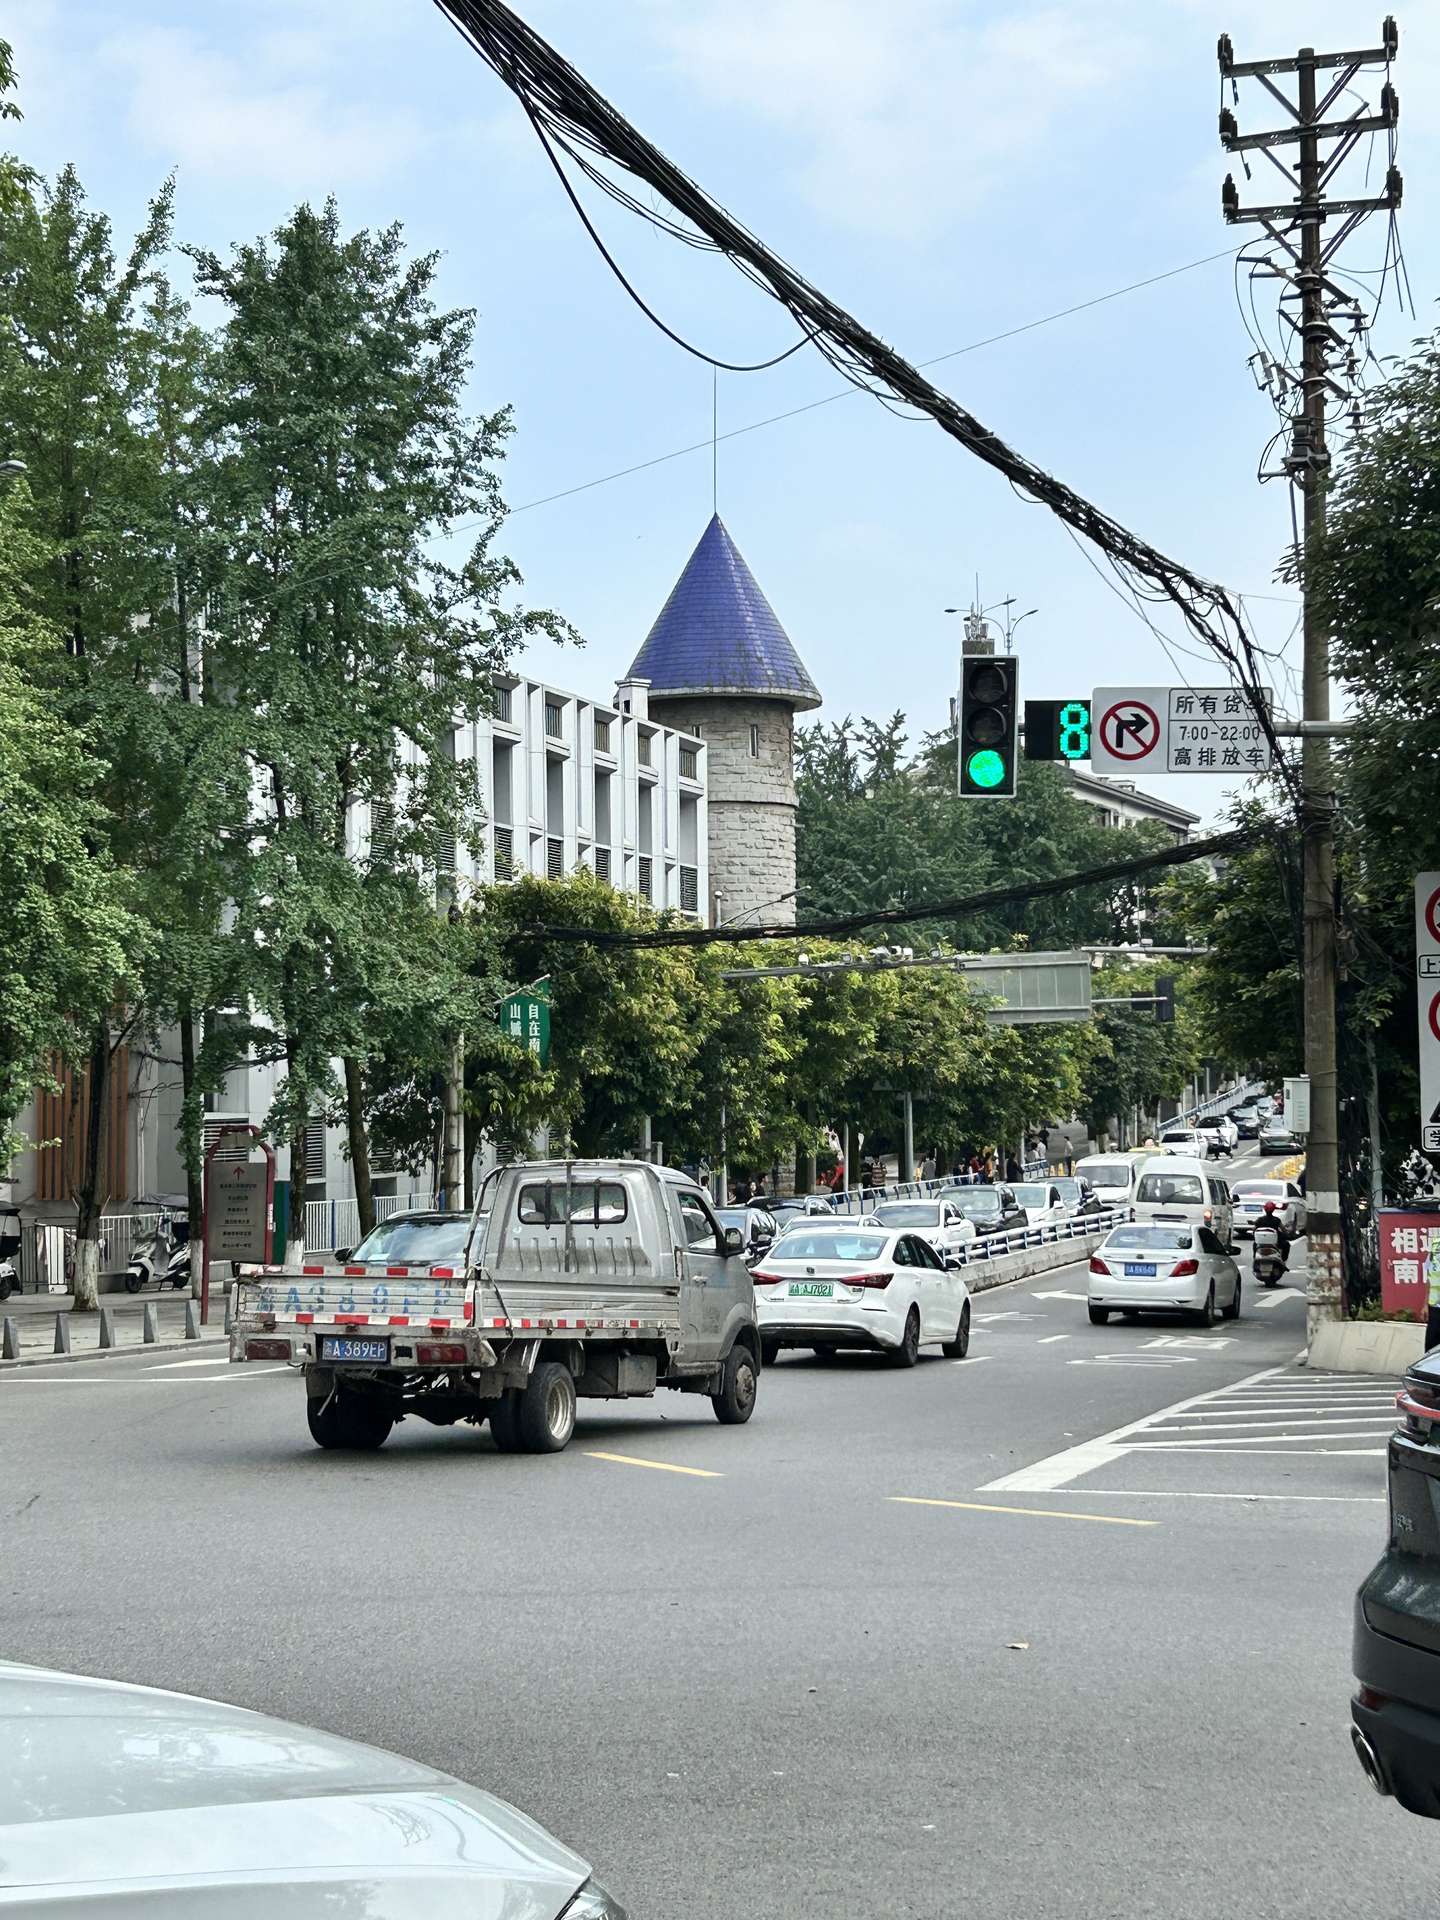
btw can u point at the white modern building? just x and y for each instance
(1120, 803)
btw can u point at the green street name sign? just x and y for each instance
(525, 1019)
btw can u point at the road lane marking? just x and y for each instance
(660, 1466)
(1035, 1513)
(174, 1366)
(1059, 1469)
(1269, 1300)
(131, 1380)
(1178, 1493)
(1050, 1339)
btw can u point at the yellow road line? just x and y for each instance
(1037, 1513)
(665, 1466)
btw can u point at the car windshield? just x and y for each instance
(1070, 1192)
(1176, 1139)
(426, 1239)
(1108, 1173)
(832, 1243)
(1032, 1194)
(733, 1217)
(1170, 1189)
(1259, 1190)
(1170, 1239)
(909, 1213)
(974, 1201)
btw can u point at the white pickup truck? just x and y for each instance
(589, 1278)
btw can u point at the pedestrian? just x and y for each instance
(989, 1173)
(1432, 1292)
(1013, 1170)
(927, 1167)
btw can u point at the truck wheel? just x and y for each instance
(735, 1402)
(505, 1424)
(349, 1420)
(546, 1414)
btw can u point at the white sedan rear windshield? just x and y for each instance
(1259, 1190)
(910, 1213)
(1171, 1239)
(1032, 1195)
(1178, 1139)
(1170, 1189)
(1108, 1173)
(803, 1244)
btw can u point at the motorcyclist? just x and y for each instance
(1274, 1220)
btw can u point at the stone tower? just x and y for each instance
(721, 666)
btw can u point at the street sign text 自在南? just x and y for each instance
(525, 1019)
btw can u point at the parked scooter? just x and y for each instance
(9, 1279)
(1269, 1265)
(165, 1259)
(9, 1253)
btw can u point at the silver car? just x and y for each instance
(1152, 1267)
(118, 1800)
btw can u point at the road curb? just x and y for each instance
(111, 1353)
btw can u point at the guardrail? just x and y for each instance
(994, 1246)
(862, 1199)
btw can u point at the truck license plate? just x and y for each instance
(335, 1346)
(811, 1290)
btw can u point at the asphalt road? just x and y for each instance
(829, 1667)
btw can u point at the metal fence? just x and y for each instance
(336, 1223)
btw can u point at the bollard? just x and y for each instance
(107, 1326)
(192, 1319)
(149, 1324)
(62, 1333)
(230, 1309)
(10, 1339)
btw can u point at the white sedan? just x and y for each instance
(1043, 1202)
(1250, 1197)
(860, 1285)
(1151, 1267)
(941, 1222)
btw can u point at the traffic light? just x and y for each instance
(989, 725)
(1164, 996)
(1057, 729)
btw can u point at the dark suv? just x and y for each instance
(1396, 1711)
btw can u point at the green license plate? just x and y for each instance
(812, 1290)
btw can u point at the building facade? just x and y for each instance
(1120, 803)
(720, 667)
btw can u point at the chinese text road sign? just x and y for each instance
(235, 1210)
(1427, 988)
(1177, 730)
(525, 1018)
(1405, 1241)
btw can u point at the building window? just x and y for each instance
(698, 731)
(502, 703)
(644, 751)
(754, 742)
(646, 877)
(689, 764)
(314, 1150)
(689, 890)
(554, 858)
(504, 853)
(554, 719)
(602, 735)
(602, 863)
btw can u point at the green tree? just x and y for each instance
(355, 649)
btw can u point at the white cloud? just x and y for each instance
(274, 118)
(901, 115)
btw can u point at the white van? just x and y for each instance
(1112, 1175)
(1172, 1187)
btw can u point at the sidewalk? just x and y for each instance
(34, 1315)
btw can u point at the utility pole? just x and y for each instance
(1312, 304)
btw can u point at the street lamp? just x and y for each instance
(12, 469)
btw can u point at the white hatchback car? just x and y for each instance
(860, 1285)
(1145, 1267)
(941, 1222)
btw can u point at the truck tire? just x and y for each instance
(352, 1421)
(735, 1402)
(546, 1413)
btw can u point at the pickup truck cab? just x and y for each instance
(599, 1279)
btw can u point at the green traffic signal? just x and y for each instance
(986, 768)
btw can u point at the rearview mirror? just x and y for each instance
(734, 1240)
(343, 1253)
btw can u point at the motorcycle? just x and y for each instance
(165, 1260)
(9, 1279)
(1268, 1265)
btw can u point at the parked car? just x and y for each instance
(117, 1798)
(409, 1239)
(1078, 1197)
(835, 1286)
(801, 1206)
(757, 1227)
(1220, 1129)
(988, 1209)
(1147, 1267)
(1250, 1196)
(1042, 1202)
(939, 1221)
(1276, 1137)
(1187, 1141)
(1396, 1710)
(1111, 1175)
(1176, 1191)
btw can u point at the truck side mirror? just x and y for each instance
(343, 1253)
(734, 1240)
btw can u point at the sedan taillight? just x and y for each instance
(1184, 1269)
(868, 1279)
(760, 1279)
(1097, 1265)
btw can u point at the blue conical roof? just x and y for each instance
(717, 633)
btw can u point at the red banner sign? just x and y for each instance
(1405, 1243)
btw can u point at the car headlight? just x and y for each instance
(593, 1903)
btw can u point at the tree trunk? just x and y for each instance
(192, 1148)
(90, 1197)
(295, 1213)
(359, 1144)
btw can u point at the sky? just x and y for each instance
(949, 170)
